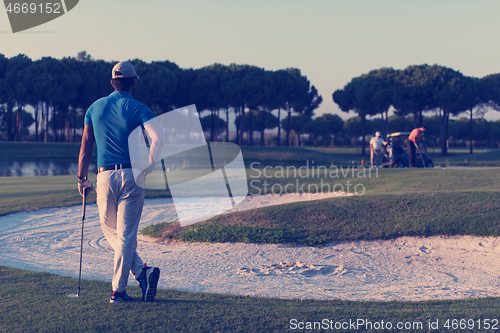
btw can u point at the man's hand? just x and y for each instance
(85, 185)
(88, 140)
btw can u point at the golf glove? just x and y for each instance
(84, 185)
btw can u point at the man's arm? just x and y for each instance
(157, 141)
(88, 140)
(419, 136)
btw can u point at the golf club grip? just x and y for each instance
(84, 202)
(145, 135)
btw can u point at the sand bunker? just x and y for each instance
(402, 269)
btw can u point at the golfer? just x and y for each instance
(413, 141)
(376, 144)
(108, 123)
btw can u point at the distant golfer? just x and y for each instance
(413, 141)
(108, 123)
(376, 144)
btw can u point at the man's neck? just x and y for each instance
(129, 91)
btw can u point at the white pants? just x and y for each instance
(120, 203)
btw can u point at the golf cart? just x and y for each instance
(397, 157)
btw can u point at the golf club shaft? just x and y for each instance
(422, 158)
(81, 242)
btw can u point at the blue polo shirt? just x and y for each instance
(113, 118)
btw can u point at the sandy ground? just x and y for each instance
(402, 269)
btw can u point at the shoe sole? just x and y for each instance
(113, 301)
(119, 300)
(152, 276)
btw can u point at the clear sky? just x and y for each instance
(331, 41)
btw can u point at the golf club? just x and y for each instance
(422, 158)
(81, 243)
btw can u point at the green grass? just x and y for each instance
(457, 157)
(68, 152)
(385, 181)
(31, 193)
(40, 152)
(368, 217)
(298, 155)
(38, 302)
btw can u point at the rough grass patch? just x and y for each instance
(317, 223)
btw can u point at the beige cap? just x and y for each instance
(378, 134)
(122, 70)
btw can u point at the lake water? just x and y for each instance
(27, 169)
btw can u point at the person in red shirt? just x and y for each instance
(413, 141)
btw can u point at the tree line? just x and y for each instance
(59, 92)
(58, 89)
(417, 89)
